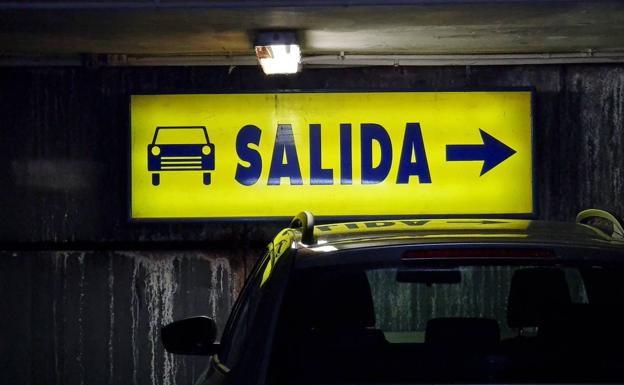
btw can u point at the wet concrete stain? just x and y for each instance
(102, 323)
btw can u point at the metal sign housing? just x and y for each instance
(337, 154)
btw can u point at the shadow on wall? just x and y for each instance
(95, 317)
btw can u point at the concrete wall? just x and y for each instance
(85, 317)
(77, 309)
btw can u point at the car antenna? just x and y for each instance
(304, 221)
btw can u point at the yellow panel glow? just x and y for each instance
(334, 154)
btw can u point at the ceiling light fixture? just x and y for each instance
(278, 52)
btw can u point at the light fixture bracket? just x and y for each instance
(265, 38)
(278, 52)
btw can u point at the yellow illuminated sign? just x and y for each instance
(335, 154)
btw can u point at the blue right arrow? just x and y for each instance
(492, 152)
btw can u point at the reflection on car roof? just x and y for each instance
(469, 230)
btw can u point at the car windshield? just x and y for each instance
(478, 323)
(180, 135)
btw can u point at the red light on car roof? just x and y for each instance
(478, 253)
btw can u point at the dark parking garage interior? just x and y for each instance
(85, 288)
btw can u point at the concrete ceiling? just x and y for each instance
(178, 28)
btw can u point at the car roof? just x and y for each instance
(349, 235)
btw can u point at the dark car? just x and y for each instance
(424, 301)
(180, 149)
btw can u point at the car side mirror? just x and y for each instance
(193, 336)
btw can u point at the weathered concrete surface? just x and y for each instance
(78, 317)
(91, 317)
(325, 27)
(64, 140)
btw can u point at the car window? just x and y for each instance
(256, 304)
(242, 316)
(403, 309)
(493, 323)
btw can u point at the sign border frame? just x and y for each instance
(331, 218)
